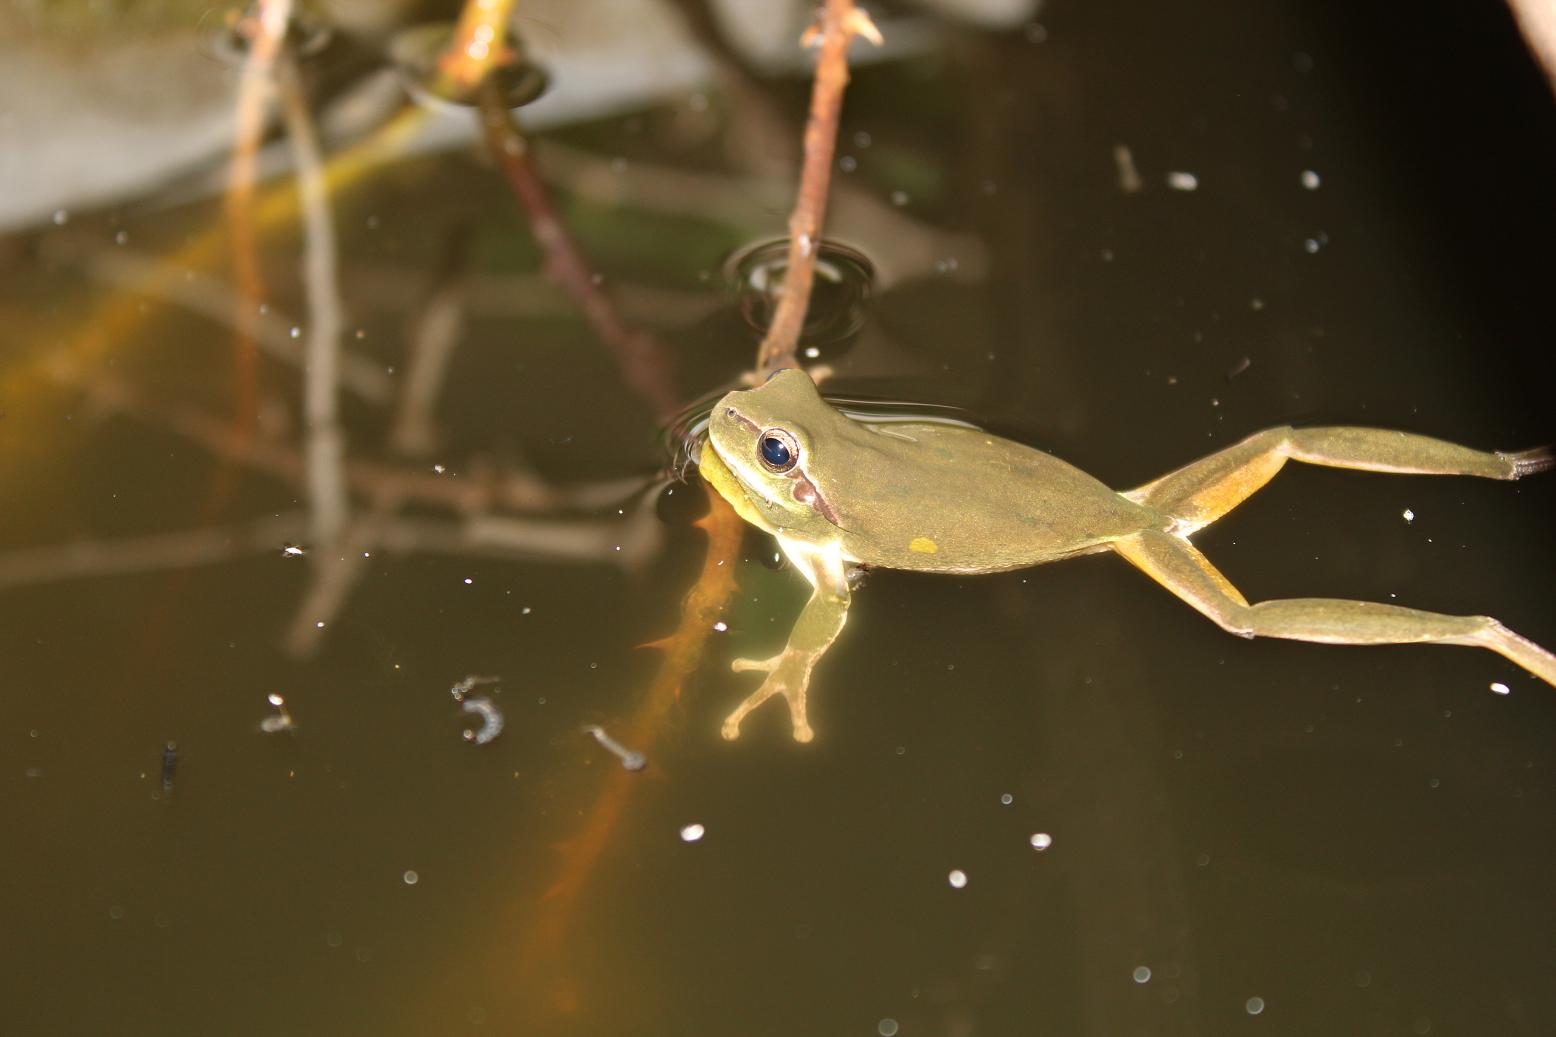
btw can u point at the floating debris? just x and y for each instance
(1311, 180)
(1041, 841)
(491, 720)
(1178, 180)
(630, 759)
(485, 708)
(169, 767)
(957, 878)
(1408, 515)
(1501, 689)
(1128, 176)
(1238, 368)
(693, 832)
(293, 551)
(281, 721)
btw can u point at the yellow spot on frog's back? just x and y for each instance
(923, 546)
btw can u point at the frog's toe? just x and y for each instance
(762, 665)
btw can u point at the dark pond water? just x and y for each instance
(1242, 837)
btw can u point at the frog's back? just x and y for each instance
(944, 498)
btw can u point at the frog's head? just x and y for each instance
(762, 453)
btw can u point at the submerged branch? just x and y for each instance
(327, 500)
(265, 31)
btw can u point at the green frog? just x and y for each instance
(841, 494)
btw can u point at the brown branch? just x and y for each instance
(643, 362)
(840, 22)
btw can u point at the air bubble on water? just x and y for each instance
(1310, 180)
(693, 832)
(1006, 799)
(410, 878)
(1500, 688)
(1310, 245)
(886, 1028)
(1254, 1005)
(1142, 974)
(957, 878)
(1041, 841)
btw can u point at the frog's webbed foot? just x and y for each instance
(788, 674)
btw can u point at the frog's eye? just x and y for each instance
(777, 450)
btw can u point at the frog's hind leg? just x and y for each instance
(1176, 564)
(1196, 495)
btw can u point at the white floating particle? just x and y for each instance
(438, 469)
(1041, 841)
(1310, 180)
(721, 626)
(957, 878)
(1179, 180)
(319, 625)
(1254, 1005)
(293, 551)
(410, 877)
(1408, 515)
(468, 581)
(1310, 246)
(61, 217)
(811, 352)
(1500, 688)
(899, 198)
(275, 700)
(691, 833)
(1142, 974)
(296, 332)
(1006, 799)
(886, 1028)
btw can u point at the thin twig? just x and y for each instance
(840, 22)
(643, 362)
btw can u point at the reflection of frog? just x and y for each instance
(839, 493)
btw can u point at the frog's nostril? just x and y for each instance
(729, 412)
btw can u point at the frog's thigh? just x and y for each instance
(1202, 492)
(1177, 565)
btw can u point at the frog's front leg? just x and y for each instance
(788, 672)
